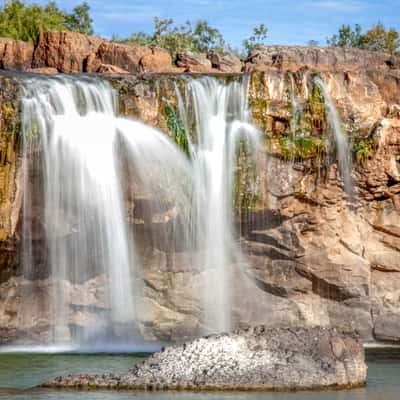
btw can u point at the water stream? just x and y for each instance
(222, 122)
(91, 264)
(341, 141)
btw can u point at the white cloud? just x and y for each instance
(337, 5)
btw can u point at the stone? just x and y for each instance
(158, 61)
(44, 70)
(124, 56)
(110, 69)
(225, 62)
(65, 51)
(15, 54)
(250, 359)
(294, 58)
(193, 62)
(387, 327)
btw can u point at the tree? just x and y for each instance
(347, 37)
(257, 38)
(313, 43)
(25, 22)
(206, 38)
(175, 39)
(80, 20)
(380, 39)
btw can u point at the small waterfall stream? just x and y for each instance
(342, 146)
(222, 121)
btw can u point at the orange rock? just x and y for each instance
(158, 61)
(65, 51)
(15, 54)
(124, 56)
(44, 70)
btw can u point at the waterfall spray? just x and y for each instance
(72, 146)
(342, 146)
(222, 119)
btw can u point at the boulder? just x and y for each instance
(251, 359)
(194, 62)
(123, 56)
(158, 61)
(15, 54)
(65, 51)
(225, 62)
(295, 58)
(110, 69)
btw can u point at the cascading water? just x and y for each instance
(72, 135)
(219, 111)
(342, 146)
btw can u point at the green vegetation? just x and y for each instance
(175, 126)
(257, 38)
(198, 38)
(378, 38)
(21, 21)
(246, 194)
(363, 149)
(301, 148)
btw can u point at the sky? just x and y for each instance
(288, 21)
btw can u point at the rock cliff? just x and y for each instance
(315, 256)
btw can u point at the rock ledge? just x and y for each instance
(275, 359)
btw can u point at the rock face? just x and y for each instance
(225, 62)
(65, 51)
(314, 257)
(15, 54)
(263, 58)
(132, 58)
(10, 177)
(252, 359)
(193, 62)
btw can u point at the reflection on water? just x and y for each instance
(19, 372)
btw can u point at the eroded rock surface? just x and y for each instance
(256, 358)
(294, 58)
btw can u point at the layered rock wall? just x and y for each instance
(315, 255)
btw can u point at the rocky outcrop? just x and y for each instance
(72, 52)
(193, 62)
(225, 62)
(252, 359)
(133, 58)
(65, 51)
(294, 58)
(15, 54)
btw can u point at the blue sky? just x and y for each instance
(288, 21)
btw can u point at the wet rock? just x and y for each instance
(251, 359)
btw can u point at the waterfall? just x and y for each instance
(73, 145)
(221, 118)
(342, 145)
